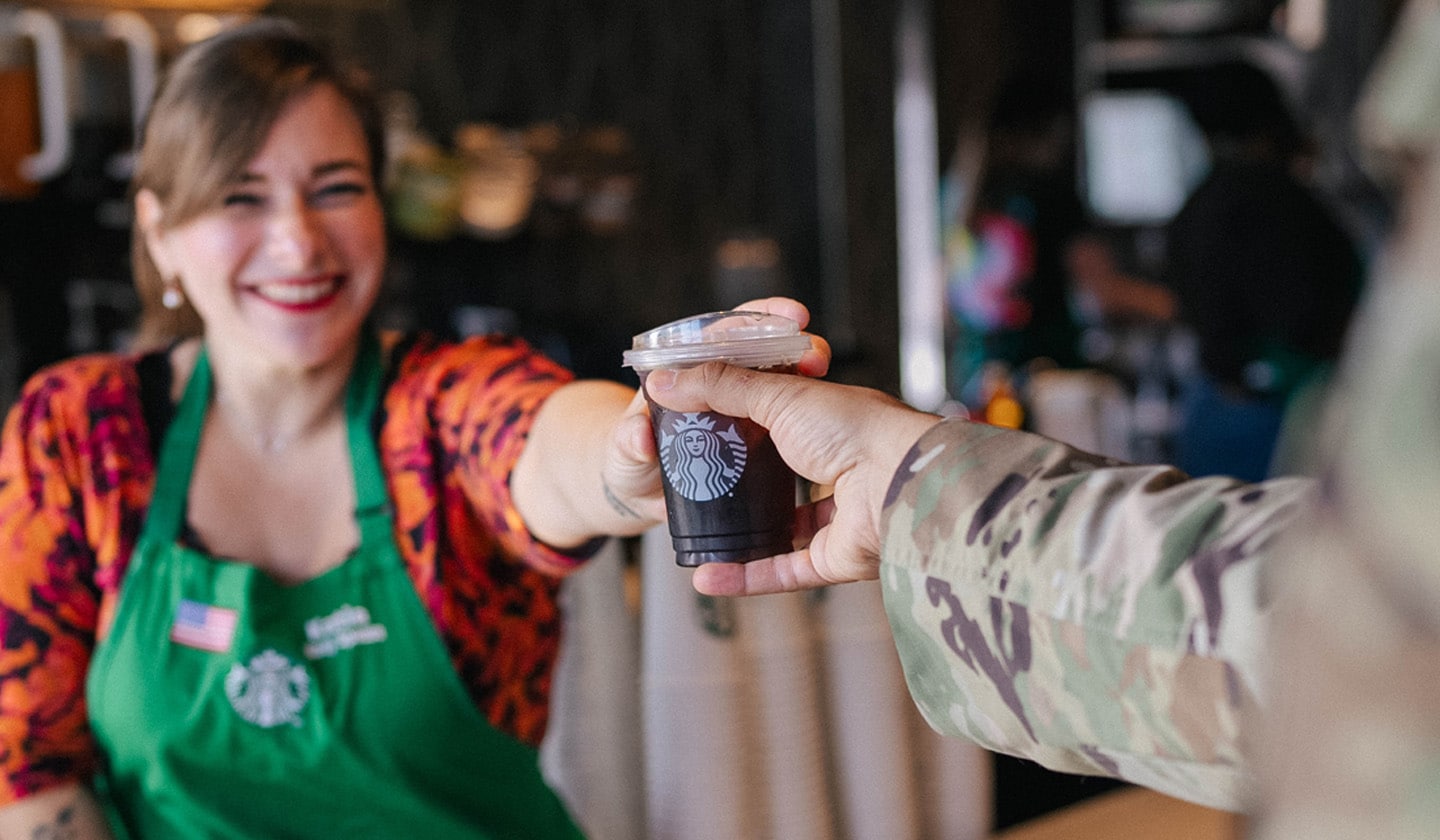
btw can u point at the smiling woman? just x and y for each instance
(278, 573)
(200, 139)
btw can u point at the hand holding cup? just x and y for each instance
(729, 496)
(849, 438)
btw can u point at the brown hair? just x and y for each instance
(214, 110)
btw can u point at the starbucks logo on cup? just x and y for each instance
(702, 454)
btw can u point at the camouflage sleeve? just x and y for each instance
(1095, 617)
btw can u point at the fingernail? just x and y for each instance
(660, 380)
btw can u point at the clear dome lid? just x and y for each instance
(737, 337)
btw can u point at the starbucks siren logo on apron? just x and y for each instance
(269, 691)
(703, 459)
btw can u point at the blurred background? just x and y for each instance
(1137, 225)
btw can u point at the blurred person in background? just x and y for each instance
(1267, 647)
(1262, 273)
(1257, 268)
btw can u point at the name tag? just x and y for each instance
(341, 630)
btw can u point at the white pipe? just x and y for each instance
(54, 153)
(142, 51)
(917, 185)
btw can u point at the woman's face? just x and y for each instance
(288, 265)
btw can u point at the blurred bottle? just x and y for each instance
(497, 189)
(1001, 401)
(423, 181)
(18, 110)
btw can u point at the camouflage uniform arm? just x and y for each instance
(1095, 617)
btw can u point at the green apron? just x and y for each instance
(228, 705)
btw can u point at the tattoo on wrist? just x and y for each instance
(63, 828)
(614, 500)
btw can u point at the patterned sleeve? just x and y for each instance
(49, 599)
(479, 398)
(1094, 617)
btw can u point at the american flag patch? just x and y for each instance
(202, 626)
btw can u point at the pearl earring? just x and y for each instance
(172, 298)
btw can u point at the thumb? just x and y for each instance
(633, 441)
(734, 391)
(631, 472)
(807, 419)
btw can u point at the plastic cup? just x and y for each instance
(729, 495)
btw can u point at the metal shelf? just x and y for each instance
(211, 6)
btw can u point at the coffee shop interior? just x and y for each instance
(991, 207)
